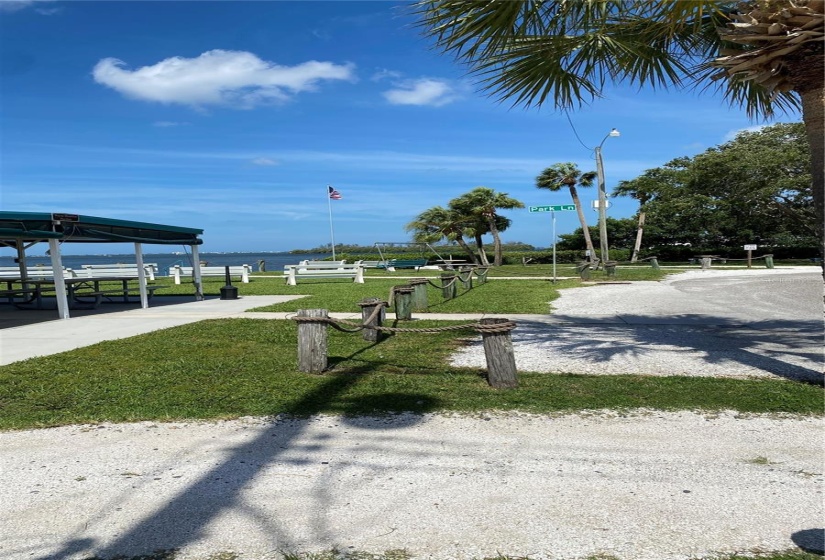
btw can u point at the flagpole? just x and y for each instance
(331, 231)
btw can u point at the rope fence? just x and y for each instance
(313, 345)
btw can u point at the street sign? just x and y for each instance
(750, 247)
(555, 208)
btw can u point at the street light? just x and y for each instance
(603, 198)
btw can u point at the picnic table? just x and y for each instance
(83, 293)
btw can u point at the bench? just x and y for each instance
(243, 271)
(392, 264)
(323, 270)
(35, 272)
(119, 269)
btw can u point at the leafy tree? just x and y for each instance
(482, 205)
(763, 54)
(754, 189)
(568, 175)
(438, 223)
(644, 189)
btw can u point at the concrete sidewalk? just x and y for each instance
(110, 322)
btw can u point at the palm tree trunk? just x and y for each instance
(638, 245)
(497, 256)
(813, 115)
(467, 249)
(482, 254)
(588, 243)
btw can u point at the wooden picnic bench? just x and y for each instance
(242, 271)
(322, 269)
(392, 264)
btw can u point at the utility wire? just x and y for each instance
(569, 120)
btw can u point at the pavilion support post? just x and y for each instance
(59, 282)
(196, 273)
(144, 293)
(21, 257)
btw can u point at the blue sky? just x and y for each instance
(234, 117)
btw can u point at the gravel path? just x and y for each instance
(646, 486)
(758, 323)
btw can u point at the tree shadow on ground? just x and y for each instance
(185, 519)
(810, 540)
(779, 348)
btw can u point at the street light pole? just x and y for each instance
(603, 246)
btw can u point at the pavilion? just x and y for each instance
(22, 230)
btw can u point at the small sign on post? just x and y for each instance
(750, 248)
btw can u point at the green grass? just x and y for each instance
(239, 367)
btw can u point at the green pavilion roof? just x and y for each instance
(77, 228)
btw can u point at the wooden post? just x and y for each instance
(312, 341)
(750, 254)
(368, 306)
(501, 361)
(467, 280)
(403, 302)
(419, 299)
(448, 288)
(481, 273)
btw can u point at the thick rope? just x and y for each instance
(502, 327)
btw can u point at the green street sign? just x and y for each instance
(556, 208)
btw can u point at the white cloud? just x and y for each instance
(384, 74)
(264, 161)
(218, 77)
(732, 134)
(425, 91)
(15, 5)
(167, 124)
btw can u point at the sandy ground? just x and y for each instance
(649, 485)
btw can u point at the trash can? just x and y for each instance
(610, 267)
(229, 291)
(768, 261)
(654, 262)
(261, 265)
(583, 268)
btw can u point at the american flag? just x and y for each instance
(333, 194)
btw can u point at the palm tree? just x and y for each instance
(643, 189)
(560, 175)
(437, 223)
(483, 204)
(763, 54)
